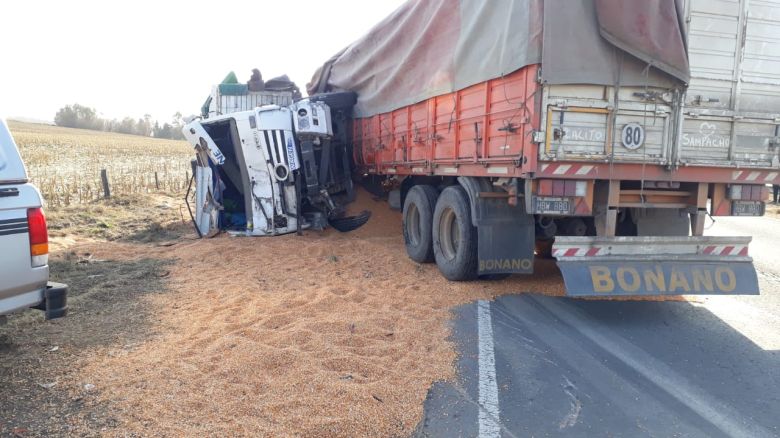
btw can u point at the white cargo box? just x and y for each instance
(236, 100)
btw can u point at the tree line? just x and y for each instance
(80, 116)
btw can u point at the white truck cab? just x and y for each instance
(24, 248)
(271, 170)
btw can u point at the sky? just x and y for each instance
(159, 57)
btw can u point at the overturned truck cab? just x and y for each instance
(269, 171)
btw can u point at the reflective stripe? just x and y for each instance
(584, 170)
(562, 169)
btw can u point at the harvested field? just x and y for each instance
(65, 163)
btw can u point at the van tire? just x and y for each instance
(454, 236)
(418, 222)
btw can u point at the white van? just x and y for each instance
(24, 240)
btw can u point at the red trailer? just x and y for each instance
(504, 126)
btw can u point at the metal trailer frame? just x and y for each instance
(514, 140)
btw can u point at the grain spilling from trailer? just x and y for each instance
(560, 121)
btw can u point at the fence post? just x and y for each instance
(156, 181)
(104, 179)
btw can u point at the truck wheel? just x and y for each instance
(454, 236)
(418, 221)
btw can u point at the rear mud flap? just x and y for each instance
(655, 266)
(505, 238)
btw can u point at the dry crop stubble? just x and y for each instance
(65, 163)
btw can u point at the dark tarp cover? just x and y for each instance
(431, 47)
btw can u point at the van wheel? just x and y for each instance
(454, 236)
(418, 221)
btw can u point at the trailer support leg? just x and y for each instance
(698, 218)
(606, 223)
(606, 201)
(697, 223)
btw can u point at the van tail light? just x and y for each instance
(39, 237)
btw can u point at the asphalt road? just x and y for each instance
(541, 366)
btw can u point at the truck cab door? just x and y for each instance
(207, 205)
(208, 189)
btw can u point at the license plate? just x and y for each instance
(552, 206)
(747, 208)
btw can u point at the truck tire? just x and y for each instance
(418, 222)
(454, 236)
(349, 223)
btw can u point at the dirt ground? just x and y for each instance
(773, 209)
(325, 334)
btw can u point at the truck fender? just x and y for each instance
(473, 187)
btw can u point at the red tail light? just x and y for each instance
(753, 192)
(39, 237)
(559, 187)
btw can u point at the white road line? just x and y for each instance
(489, 426)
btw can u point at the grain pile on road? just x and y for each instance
(325, 334)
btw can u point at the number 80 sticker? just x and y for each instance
(633, 136)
